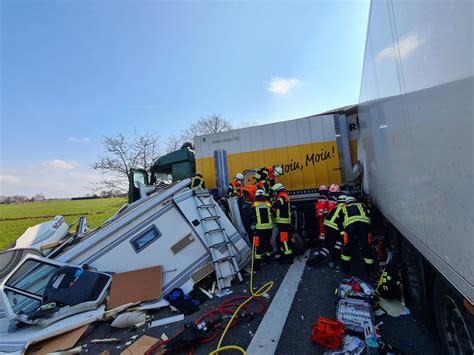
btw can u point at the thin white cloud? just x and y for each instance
(53, 183)
(282, 86)
(8, 179)
(58, 164)
(407, 45)
(78, 140)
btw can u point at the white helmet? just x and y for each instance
(334, 188)
(350, 199)
(341, 199)
(278, 187)
(239, 177)
(277, 170)
(259, 192)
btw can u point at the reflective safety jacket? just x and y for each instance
(197, 183)
(282, 208)
(234, 189)
(355, 212)
(335, 218)
(263, 214)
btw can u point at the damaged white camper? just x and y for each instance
(183, 231)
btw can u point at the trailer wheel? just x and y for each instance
(414, 281)
(455, 325)
(297, 243)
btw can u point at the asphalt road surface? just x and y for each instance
(314, 297)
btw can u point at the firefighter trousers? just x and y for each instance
(263, 244)
(332, 243)
(361, 232)
(283, 241)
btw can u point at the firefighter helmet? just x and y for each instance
(334, 188)
(197, 174)
(278, 187)
(341, 199)
(277, 170)
(323, 188)
(350, 199)
(239, 176)
(259, 192)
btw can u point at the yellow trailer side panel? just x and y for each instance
(305, 166)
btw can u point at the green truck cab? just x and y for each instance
(171, 167)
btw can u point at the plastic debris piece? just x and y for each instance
(164, 337)
(393, 307)
(223, 293)
(106, 340)
(76, 350)
(168, 320)
(126, 320)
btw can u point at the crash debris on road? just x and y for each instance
(117, 272)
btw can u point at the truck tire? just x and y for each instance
(414, 281)
(297, 243)
(455, 324)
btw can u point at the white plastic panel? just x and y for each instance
(275, 135)
(416, 117)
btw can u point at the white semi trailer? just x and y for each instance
(416, 149)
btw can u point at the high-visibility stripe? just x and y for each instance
(345, 257)
(196, 183)
(262, 211)
(286, 250)
(361, 217)
(369, 261)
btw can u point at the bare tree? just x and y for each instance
(206, 125)
(120, 155)
(174, 143)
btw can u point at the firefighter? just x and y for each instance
(334, 192)
(321, 209)
(333, 240)
(197, 182)
(263, 229)
(356, 224)
(269, 174)
(235, 186)
(282, 218)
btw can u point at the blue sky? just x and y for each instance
(73, 71)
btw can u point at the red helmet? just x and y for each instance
(334, 188)
(323, 188)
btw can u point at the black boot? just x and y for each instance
(318, 258)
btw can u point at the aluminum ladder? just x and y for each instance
(217, 240)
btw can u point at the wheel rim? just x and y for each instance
(454, 328)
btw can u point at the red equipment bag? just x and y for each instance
(327, 332)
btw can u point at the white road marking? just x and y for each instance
(268, 334)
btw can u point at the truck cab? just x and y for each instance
(171, 167)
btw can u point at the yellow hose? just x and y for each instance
(259, 293)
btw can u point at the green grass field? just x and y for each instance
(16, 218)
